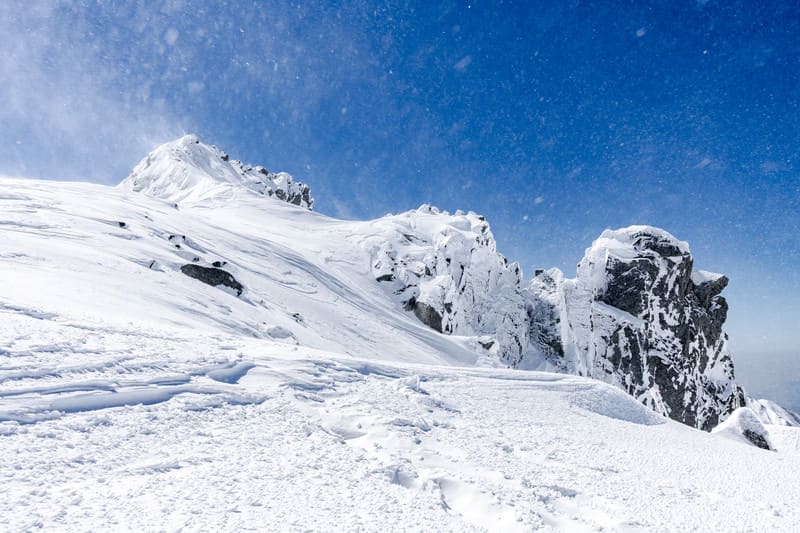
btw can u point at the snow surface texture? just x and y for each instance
(115, 426)
(638, 316)
(218, 360)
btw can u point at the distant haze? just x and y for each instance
(775, 376)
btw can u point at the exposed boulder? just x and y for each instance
(744, 425)
(213, 276)
(637, 316)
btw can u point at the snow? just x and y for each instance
(189, 171)
(292, 438)
(743, 425)
(135, 397)
(702, 276)
(770, 412)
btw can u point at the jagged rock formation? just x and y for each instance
(446, 269)
(639, 317)
(187, 170)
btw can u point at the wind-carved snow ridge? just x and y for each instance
(770, 412)
(186, 170)
(446, 269)
(638, 316)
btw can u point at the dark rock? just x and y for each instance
(756, 439)
(212, 276)
(428, 315)
(385, 277)
(657, 335)
(122, 224)
(705, 292)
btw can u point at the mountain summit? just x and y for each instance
(188, 171)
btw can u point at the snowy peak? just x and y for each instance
(188, 171)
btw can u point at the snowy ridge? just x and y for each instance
(770, 412)
(189, 171)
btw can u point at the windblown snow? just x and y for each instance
(196, 349)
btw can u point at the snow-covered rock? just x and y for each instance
(189, 171)
(446, 270)
(771, 413)
(744, 425)
(639, 317)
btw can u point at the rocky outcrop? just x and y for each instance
(213, 276)
(187, 170)
(743, 425)
(446, 270)
(639, 317)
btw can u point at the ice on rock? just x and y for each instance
(188, 171)
(637, 317)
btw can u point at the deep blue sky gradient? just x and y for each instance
(553, 119)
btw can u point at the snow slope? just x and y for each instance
(135, 396)
(233, 433)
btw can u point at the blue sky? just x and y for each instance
(553, 119)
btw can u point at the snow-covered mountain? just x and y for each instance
(198, 336)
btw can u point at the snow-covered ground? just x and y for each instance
(135, 397)
(237, 433)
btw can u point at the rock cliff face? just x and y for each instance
(639, 317)
(446, 269)
(187, 170)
